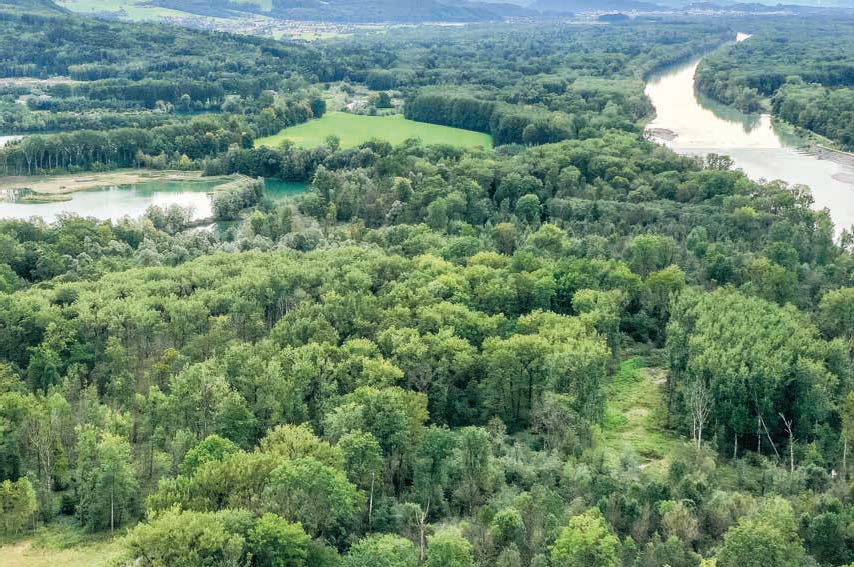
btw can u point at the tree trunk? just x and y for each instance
(112, 511)
(371, 502)
(788, 424)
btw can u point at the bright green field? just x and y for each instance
(134, 10)
(354, 129)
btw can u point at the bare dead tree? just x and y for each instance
(768, 435)
(700, 403)
(788, 424)
(371, 503)
(421, 522)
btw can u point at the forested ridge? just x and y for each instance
(576, 349)
(805, 70)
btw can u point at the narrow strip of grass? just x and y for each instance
(635, 415)
(60, 544)
(354, 129)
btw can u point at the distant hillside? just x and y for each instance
(37, 6)
(803, 7)
(568, 6)
(408, 11)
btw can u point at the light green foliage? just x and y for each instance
(202, 401)
(602, 310)
(723, 510)
(363, 458)
(108, 481)
(185, 539)
(651, 252)
(758, 360)
(18, 506)
(586, 541)
(519, 371)
(278, 543)
(509, 557)
(671, 551)
(336, 501)
(548, 239)
(382, 551)
(433, 364)
(213, 448)
(299, 441)
(662, 288)
(557, 353)
(678, 520)
(528, 209)
(836, 313)
(753, 543)
(447, 548)
(475, 473)
(391, 415)
(508, 528)
(444, 344)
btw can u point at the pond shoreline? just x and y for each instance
(65, 184)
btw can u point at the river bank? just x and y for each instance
(762, 147)
(838, 156)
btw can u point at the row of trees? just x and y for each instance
(152, 144)
(506, 123)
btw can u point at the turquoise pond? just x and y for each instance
(132, 200)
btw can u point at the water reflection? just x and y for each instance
(692, 124)
(6, 139)
(698, 124)
(127, 200)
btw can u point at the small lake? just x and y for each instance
(691, 124)
(121, 201)
(7, 139)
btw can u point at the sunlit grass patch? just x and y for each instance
(354, 129)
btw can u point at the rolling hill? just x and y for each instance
(361, 11)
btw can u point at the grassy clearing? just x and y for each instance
(60, 544)
(134, 10)
(355, 129)
(635, 415)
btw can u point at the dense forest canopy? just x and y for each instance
(575, 349)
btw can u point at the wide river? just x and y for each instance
(689, 123)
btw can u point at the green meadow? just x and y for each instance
(60, 543)
(354, 129)
(134, 10)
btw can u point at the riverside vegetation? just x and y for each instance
(802, 71)
(576, 348)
